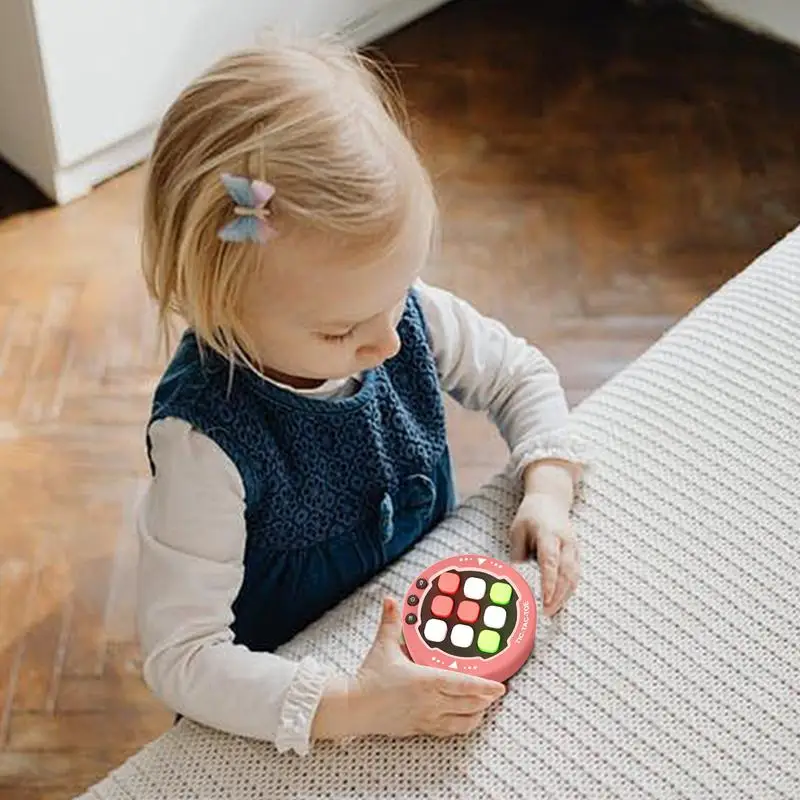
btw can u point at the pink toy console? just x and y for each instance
(470, 613)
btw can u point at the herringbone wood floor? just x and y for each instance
(601, 171)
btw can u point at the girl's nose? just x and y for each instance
(391, 345)
(381, 349)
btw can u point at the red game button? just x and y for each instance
(442, 606)
(448, 583)
(468, 611)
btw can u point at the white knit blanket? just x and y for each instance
(675, 671)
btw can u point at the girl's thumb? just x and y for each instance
(389, 626)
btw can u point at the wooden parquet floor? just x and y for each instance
(601, 168)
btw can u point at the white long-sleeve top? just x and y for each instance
(192, 532)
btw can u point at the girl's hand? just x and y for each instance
(392, 696)
(542, 525)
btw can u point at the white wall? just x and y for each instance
(111, 66)
(25, 130)
(83, 82)
(780, 18)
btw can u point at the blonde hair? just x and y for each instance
(317, 121)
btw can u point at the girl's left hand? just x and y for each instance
(542, 525)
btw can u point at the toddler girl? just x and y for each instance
(297, 440)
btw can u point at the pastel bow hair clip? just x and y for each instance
(251, 207)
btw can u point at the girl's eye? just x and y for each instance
(342, 337)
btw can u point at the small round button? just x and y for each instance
(413, 600)
(422, 583)
(411, 618)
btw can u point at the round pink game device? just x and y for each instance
(470, 613)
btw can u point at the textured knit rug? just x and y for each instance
(675, 671)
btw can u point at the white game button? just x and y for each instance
(435, 630)
(474, 588)
(461, 635)
(494, 617)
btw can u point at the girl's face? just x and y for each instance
(318, 313)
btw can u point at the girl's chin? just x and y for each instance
(313, 380)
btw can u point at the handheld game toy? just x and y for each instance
(470, 613)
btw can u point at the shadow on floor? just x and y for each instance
(18, 194)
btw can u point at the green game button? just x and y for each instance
(489, 641)
(500, 593)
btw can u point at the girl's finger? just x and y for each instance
(453, 685)
(521, 537)
(404, 648)
(547, 554)
(458, 724)
(466, 705)
(559, 596)
(567, 578)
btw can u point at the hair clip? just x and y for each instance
(251, 199)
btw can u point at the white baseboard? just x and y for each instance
(387, 19)
(79, 179)
(776, 19)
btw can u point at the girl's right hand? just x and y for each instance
(393, 696)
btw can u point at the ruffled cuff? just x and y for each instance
(300, 706)
(562, 444)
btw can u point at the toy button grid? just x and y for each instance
(468, 612)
